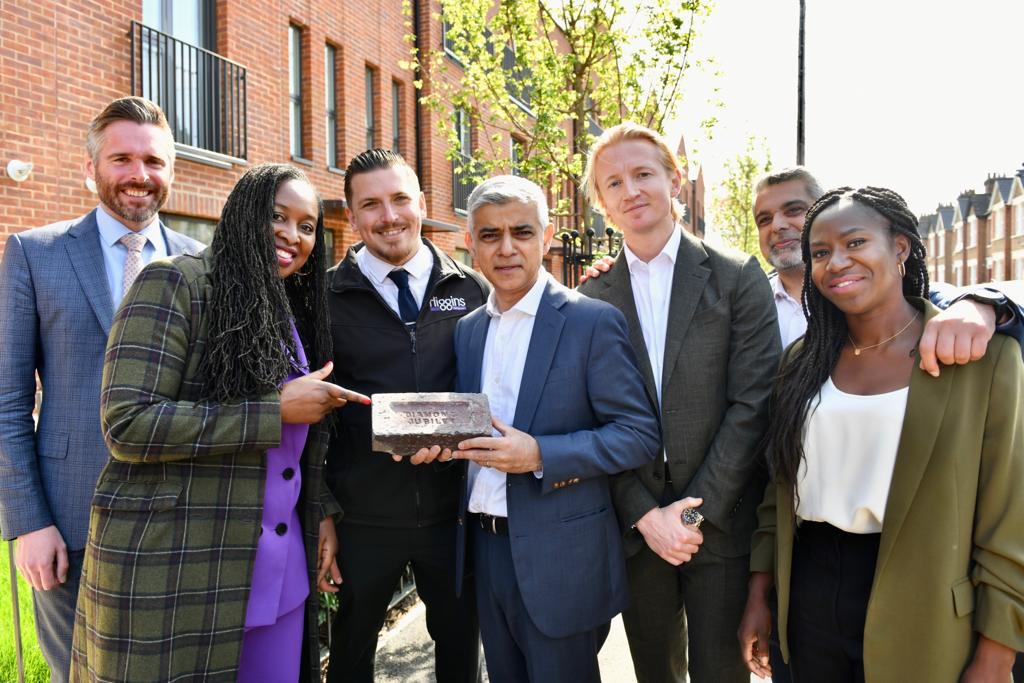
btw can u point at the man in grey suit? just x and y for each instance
(702, 323)
(59, 287)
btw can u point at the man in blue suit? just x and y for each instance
(59, 286)
(570, 409)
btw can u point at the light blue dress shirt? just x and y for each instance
(115, 253)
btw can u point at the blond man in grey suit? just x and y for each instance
(702, 323)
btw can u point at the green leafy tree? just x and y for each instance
(552, 71)
(733, 206)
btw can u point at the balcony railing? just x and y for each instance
(461, 185)
(202, 94)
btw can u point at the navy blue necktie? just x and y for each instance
(407, 309)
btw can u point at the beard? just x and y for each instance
(789, 257)
(110, 195)
(786, 259)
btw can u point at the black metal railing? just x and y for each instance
(202, 94)
(580, 250)
(461, 184)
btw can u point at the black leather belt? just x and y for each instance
(497, 526)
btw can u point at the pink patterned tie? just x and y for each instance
(133, 242)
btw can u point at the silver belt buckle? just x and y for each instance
(494, 524)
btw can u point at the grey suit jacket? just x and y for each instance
(722, 351)
(55, 314)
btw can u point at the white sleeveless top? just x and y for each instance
(850, 445)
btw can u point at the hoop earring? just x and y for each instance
(901, 268)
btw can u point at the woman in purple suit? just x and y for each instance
(212, 527)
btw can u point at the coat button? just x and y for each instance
(281, 529)
(288, 474)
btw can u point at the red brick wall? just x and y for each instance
(62, 62)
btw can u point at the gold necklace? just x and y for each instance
(857, 350)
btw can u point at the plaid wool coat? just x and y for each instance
(177, 512)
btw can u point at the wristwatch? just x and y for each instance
(692, 518)
(990, 297)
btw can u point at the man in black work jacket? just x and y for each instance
(393, 302)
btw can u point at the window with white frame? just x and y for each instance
(972, 231)
(295, 89)
(396, 117)
(331, 100)
(1018, 219)
(370, 94)
(997, 224)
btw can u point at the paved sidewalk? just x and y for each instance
(406, 654)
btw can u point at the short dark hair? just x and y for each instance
(136, 109)
(375, 159)
(800, 173)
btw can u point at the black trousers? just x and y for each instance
(371, 560)
(832, 575)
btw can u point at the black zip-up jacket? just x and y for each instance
(374, 352)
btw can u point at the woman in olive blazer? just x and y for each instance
(950, 563)
(177, 516)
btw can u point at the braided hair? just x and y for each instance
(807, 368)
(250, 349)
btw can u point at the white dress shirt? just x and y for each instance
(114, 253)
(376, 271)
(508, 339)
(850, 445)
(792, 323)
(652, 291)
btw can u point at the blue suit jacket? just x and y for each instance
(583, 399)
(55, 313)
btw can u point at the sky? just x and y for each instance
(925, 97)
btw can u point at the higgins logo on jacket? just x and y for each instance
(451, 303)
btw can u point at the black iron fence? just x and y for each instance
(580, 250)
(202, 93)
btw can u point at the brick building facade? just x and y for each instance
(242, 83)
(979, 237)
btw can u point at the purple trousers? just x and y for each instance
(272, 654)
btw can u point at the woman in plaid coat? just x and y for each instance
(211, 526)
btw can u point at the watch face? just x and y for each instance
(692, 518)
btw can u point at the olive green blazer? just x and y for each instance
(951, 556)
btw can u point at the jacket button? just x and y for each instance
(281, 529)
(288, 474)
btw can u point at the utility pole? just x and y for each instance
(800, 90)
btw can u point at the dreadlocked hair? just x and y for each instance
(250, 349)
(806, 369)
